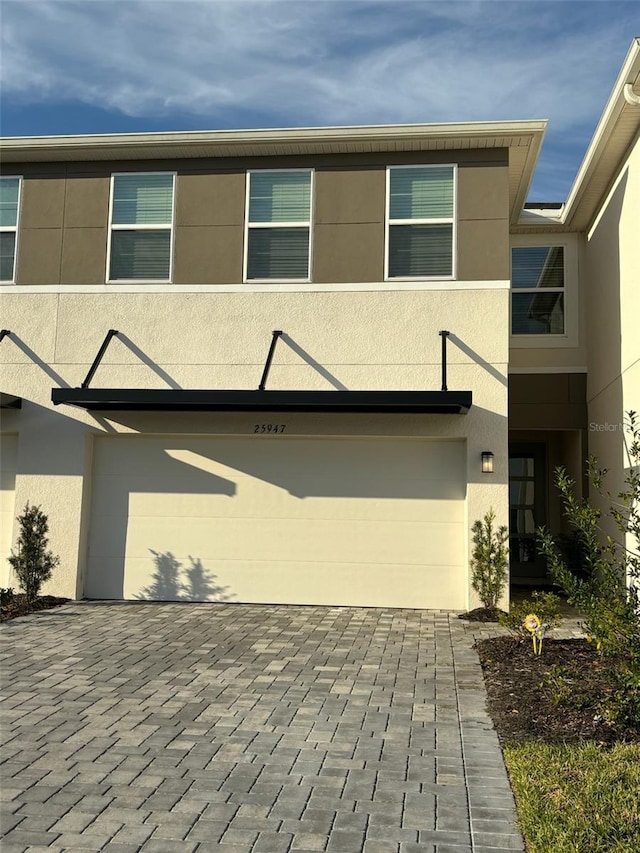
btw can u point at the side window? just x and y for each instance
(141, 227)
(537, 290)
(420, 222)
(9, 210)
(278, 225)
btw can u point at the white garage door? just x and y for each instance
(276, 519)
(8, 465)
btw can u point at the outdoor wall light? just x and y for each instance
(487, 462)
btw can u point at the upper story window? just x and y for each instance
(141, 227)
(9, 207)
(420, 222)
(538, 290)
(278, 225)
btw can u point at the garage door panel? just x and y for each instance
(233, 459)
(266, 516)
(265, 502)
(115, 490)
(105, 578)
(109, 537)
(328, 541)
(122, 495)
(309, 583)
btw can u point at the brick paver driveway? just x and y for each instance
(195, 727)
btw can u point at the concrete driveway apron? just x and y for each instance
(242, 728)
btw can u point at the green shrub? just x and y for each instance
(489, 560)
(6, 596)
(33, 562)
(608, 595)
(546, 607)
(558, 685)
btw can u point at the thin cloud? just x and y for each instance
(227, 64)
(400, 62)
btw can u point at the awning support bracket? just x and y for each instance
(444, 335)
(267, 365)
(8, 401)
(96, 362)
(342, 400)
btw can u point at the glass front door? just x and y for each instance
(527, 511)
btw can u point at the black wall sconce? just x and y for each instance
(487, 462)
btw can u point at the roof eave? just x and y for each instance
(151, 145)
(573, 217)
(517, 135)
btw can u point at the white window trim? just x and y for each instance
(306, 224)
(453, 220)
(570, 336)
(15, 229)
(142, 227)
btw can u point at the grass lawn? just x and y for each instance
(575, 776)
(577, 798)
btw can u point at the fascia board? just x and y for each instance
(603, 132)
(158, 145)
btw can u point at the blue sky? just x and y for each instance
(107, 66)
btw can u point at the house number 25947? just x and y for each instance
(269, 427)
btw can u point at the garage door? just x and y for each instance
(8, 464)
(276, 519)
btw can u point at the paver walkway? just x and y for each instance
(195, 727)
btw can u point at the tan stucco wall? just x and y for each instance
(8, 466)
(613, 300)
(356, 340)
(65, 210)
(561, 352)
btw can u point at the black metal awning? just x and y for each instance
(443, 402)
(170, 400)
(10, 401)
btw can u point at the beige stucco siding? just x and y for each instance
(8, 468)
(567, 352)
(353, 340)
(612, 280)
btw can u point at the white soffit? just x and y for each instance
(523, 139)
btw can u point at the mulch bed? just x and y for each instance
(19, 607)
(553, 697)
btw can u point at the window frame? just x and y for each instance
(13, 229)
(142, 227)
(568, 338)
(293, 224)
(452, 220)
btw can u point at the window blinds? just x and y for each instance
(142, 200)
(278, 228)
(9, 189)
(141, 222)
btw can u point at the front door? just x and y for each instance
(527, 512)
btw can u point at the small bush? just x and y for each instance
(607, 595)
(546, 607)
(33, 562)
(6, 596)
(489, 560)
(558, 685)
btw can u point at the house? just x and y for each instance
(294, 366)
